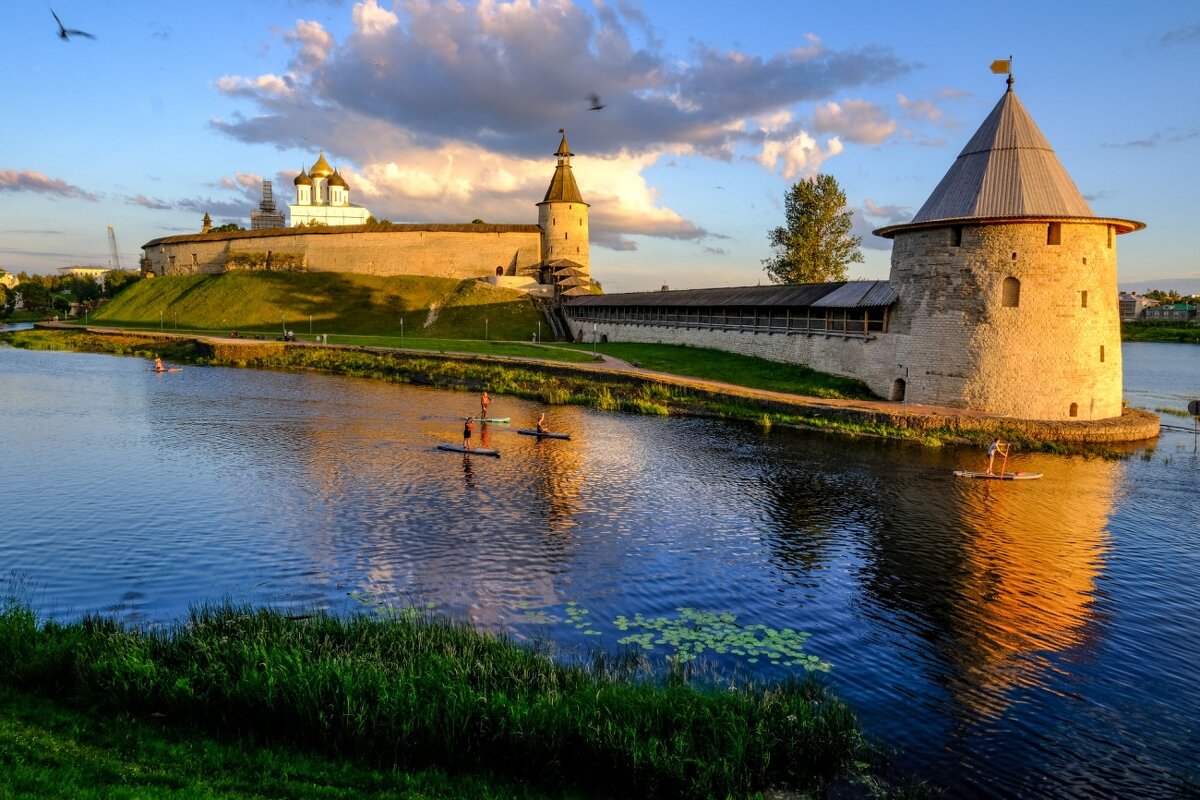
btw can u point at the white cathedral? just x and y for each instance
(323, 198)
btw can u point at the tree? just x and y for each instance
(816, 244)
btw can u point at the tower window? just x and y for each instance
(1014, 258)
(1054, 233)
(1101, 354)
(1083, 298)
(1010, 293)
(1110, 237)
(1074, 410)
(566, 235)
(956, 236)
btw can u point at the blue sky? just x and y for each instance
(444, 112)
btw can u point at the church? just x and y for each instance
(330, 234)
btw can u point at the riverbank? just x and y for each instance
(407, 695)
(611, 385)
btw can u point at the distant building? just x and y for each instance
(95, 273)
(1132, 305)
(1170, 312)
(323, 198)
(266, 217)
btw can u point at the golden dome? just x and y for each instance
(338, 180)
(321, 169)
(302, 179)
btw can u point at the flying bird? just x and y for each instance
(66, 33)
(594, 99)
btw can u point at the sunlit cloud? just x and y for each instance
(12, 180)
(854, 121)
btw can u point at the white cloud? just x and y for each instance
(801, 155)
(855, 121)
(371, 20)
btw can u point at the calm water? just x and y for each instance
(1036, 639)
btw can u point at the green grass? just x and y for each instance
(1160, 332)
(410, 693)
(718, 365)
(51, 749)
(337, 303)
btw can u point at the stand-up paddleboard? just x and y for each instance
(474, 451)
(492, 419)
(543, 434)
(998, 476)
(165, 369)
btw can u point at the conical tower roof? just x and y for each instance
(563, 188)
(1007, 171)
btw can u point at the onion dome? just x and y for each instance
(321, 169)
(338, 180)
(302, 179)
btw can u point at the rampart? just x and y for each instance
(445, 251)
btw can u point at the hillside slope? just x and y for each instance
(344, 303)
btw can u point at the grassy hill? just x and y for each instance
(338, 303)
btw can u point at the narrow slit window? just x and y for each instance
(1054, 233)
(1083, 299)
(1101, 354)
(956, 236)
(1074, 410)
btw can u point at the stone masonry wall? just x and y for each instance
(837, 354)
(961, 346)
(448, 254)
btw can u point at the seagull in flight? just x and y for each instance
(66, 33)
(594, 99)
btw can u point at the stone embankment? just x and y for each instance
(1134, 425)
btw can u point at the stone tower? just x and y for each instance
(563, 216)
(1007, 284)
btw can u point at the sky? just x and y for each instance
(449, 111)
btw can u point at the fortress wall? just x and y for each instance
(963, 347)
(835, 353)
(449, 254)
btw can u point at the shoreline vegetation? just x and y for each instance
(1169, 332)
(820, 402)
(315, 705)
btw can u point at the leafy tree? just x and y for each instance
(7, 299)
(478, 221)
(816, 244)
(228, 226)
(34, 295)
(117, 280)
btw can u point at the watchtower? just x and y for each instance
(1007, 284)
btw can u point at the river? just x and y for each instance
(1024, 639)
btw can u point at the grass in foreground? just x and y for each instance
(50, 750)
(414, 694)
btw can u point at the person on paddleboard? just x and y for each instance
(995, 447)
(468, 428)
(158, 365)
(484, 402)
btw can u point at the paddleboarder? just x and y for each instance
(468, 428)
(995, 447)
(541, 424)
(484, 402)
(158, 365)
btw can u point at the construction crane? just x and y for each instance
(114, 260)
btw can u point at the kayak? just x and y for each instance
(475, 451)
(543, 434)
(493, 419)
(998, 476)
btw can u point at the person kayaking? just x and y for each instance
(468, 428)
(484, 402)
(995, 447)
(158, 365)
(541, 424)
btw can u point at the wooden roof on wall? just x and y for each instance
(837, 294)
